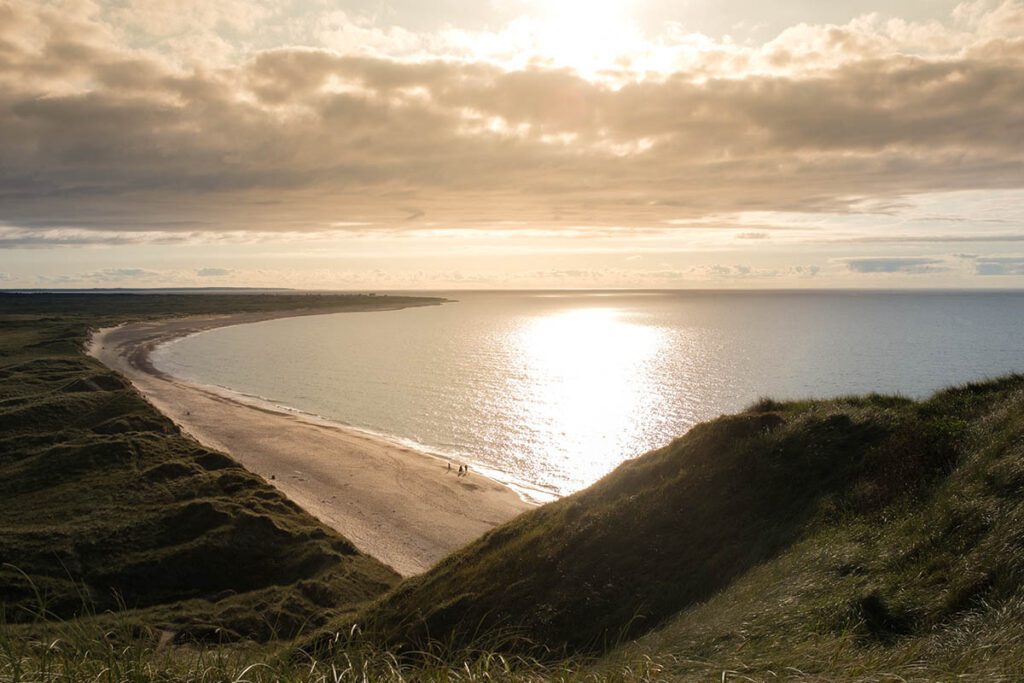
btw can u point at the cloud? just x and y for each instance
(925, 239)
(745, 272)
(170, 232)
(912, 265)
(105, 276)
(752, 236)
(397, 131)
(213, 272)
(1004, 265)
(86, 235)
(806, 271)
(404, 275)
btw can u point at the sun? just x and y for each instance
(584, 35)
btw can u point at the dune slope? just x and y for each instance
(860, 522)
(105, 504)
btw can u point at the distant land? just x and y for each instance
(859, 538)
(150, 290)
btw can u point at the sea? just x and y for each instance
(549, 391)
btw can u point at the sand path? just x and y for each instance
(398, 505)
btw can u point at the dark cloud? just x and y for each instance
(85, 234)
(913, 265)
(213, 272)
(303, 139)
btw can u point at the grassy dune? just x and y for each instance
(104, 504)
(854, 536)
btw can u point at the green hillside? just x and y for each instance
(862, 538)
(104, 504)
(825, 536)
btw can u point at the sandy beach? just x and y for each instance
(399, 505)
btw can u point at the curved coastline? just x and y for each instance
(394, 502)
(531, 494)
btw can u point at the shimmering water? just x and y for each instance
(553, 390)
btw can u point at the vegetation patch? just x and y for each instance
(813, 537)
(106, 506)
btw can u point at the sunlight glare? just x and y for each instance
(587, 36)
(589, 370)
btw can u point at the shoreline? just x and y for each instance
(531, 495)
(396, 503)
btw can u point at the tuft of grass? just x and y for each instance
(57, 651)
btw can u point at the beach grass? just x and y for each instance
(112, 648)
(867, 538)
(863, 537)
(105, 504)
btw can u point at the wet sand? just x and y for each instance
(399, 505)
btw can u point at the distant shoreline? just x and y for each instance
(395, 503)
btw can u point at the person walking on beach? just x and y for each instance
(449, 467)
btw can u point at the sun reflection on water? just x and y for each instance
(584, 388)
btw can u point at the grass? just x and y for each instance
(105, 505)
(927, 588)
(870, 538)
(866, 537)
(54, 650)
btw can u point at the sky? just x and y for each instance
(519, 144)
